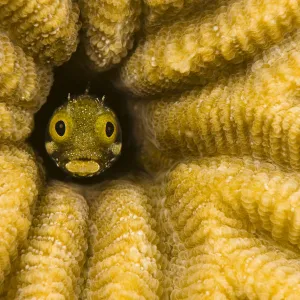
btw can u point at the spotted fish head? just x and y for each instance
(83, 136)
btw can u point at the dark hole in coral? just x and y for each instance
(74, 77)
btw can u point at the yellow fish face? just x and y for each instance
(83, 137)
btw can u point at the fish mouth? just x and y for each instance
(83, 168)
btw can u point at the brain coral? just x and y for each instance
(254, 113)
(193, 50)
(20, 182)
(159, 12)
(220, 208)
(216, 215)
(44, 29)
(24, 87)
(124, 261)
(109, 28)
(52, 260)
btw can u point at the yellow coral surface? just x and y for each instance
(124, 262)
(194, 50)
(204, 226)
(109, 29)
(219, 209)
(158, 12)
(51, 263)
(255, 114)
(22, 82)
(24, 87)
(20, 182)
(15, 124)
(46, 30)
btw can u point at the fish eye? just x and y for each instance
(60, 127)
(110, 128)
(107, 128)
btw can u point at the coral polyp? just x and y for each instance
(20, 181)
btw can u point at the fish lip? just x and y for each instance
(83, 167)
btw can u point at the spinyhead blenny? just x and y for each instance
(83, 136)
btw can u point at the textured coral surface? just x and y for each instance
(44, 29)
(24, 87)
(255, 114)
(109, 28)
(124, 261)
(193, 50)
(218, 215)
(219, 209)
(158, 12)
(52, 260)
(20, 182)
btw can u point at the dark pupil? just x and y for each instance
(109, 129)
(60, 128)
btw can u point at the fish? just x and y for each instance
(83, 136)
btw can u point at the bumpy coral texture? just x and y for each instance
(255, 114)
(47, 30)
(109, 29)
(158, 12)
(15, 123)
(124, 261)
(51, 264)
(210, 228)
(20, 182)
(24, 87)
(216, 216)
(194, 50)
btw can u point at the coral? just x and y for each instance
(195, 50)
(218, 208)
(46, 30)
(22, 81)
(255, 190)
(52, 261)
(152, 159)
(254, 114)
(20, 182)
(224, 227)
(15, 124)
(159, 12)
(124, 262)
(109, 29)
(24, 87)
